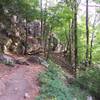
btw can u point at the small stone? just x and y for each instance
(26, 95)
(16, 89)
(75, 98)
(0, 93)
(89, 98)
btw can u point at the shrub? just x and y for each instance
(53, 86)
(90, 79)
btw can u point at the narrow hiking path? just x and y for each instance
(61, 60)
(19, 82)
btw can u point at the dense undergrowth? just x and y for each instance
(53, 86)
(90, 80)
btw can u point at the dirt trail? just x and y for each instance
(19, 82)
(59, 59)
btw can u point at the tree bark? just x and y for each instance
(91, 46)
(26, 36)
(75, 32)
(87, 35)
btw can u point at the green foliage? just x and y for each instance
(82, 41)
(62, 33)
(78, 93)
(58, 18)
(28, 8)
(90, 79)
(59, 15)
(23, 8)
(96, 46)
(97, 1)
(54, 88)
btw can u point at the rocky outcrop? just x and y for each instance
(34, 28)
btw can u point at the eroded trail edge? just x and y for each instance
(20, 82)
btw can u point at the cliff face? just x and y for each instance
(13, 33)
(3, 42)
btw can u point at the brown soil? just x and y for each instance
(19, 82)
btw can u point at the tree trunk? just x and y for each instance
(87, 35)
(41, 19)
(26, 36)
(91, 46)
(75, 32)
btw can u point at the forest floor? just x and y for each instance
(19, 82)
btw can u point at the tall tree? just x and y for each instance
(87, 34)
(92, 38)
(75, 32)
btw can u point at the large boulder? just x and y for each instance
(38, 60)
(33, 44)
(6, 59)
(34, 28)
(34, 59)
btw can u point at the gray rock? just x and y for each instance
(34, 59)
(89, 98)
(38, 60)
(21, 62)
(43, 62)
(6, 59)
